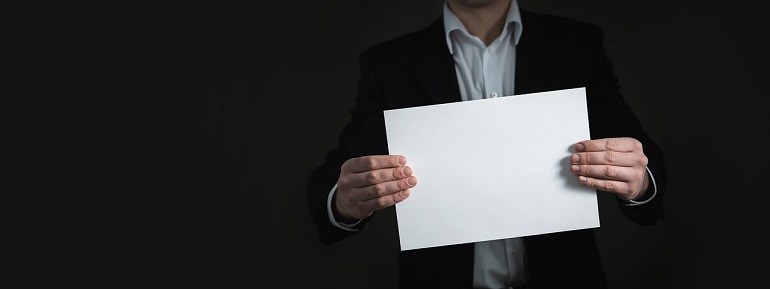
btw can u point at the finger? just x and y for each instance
(622, 144)
(365, 179)
(615, 158)
(368, 163)
(617, 187)
(384, 189)
(615, 173)
(387, 200)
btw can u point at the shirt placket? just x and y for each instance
(492, 78)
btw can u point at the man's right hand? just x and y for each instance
(371, 183)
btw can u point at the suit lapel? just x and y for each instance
(434, 66)
(533, 54)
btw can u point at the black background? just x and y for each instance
(131, 163)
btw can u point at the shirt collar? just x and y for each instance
(451, 23)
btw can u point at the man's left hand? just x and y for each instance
(615, 165)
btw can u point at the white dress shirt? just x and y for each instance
(486, 72)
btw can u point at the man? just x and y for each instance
(480, 49)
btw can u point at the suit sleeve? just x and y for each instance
(363, 135)
(610, 116)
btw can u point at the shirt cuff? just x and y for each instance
(346, 227)
(654, 192)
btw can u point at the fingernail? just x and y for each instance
(575, 168)
(582, 179)
(401, 160)
(575, 158)
(411, 181)
(579, 147)
(404, 193)
(406, 171)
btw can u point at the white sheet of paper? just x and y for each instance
(492, 168)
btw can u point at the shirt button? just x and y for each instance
(493, 95)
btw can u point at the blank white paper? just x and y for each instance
(492, 168)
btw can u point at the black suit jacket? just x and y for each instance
(417, 69)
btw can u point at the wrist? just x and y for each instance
(338, 214)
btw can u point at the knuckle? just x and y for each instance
(611, 144)
(370, 163)
(343, 182)
(371, 177)
(611, 171)
(644, 160)
(627, 191)
(379, 190)
(346, 165)
(402, 185)
(630, 192)
(382, 202)
(608, 186)
(610, 156)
